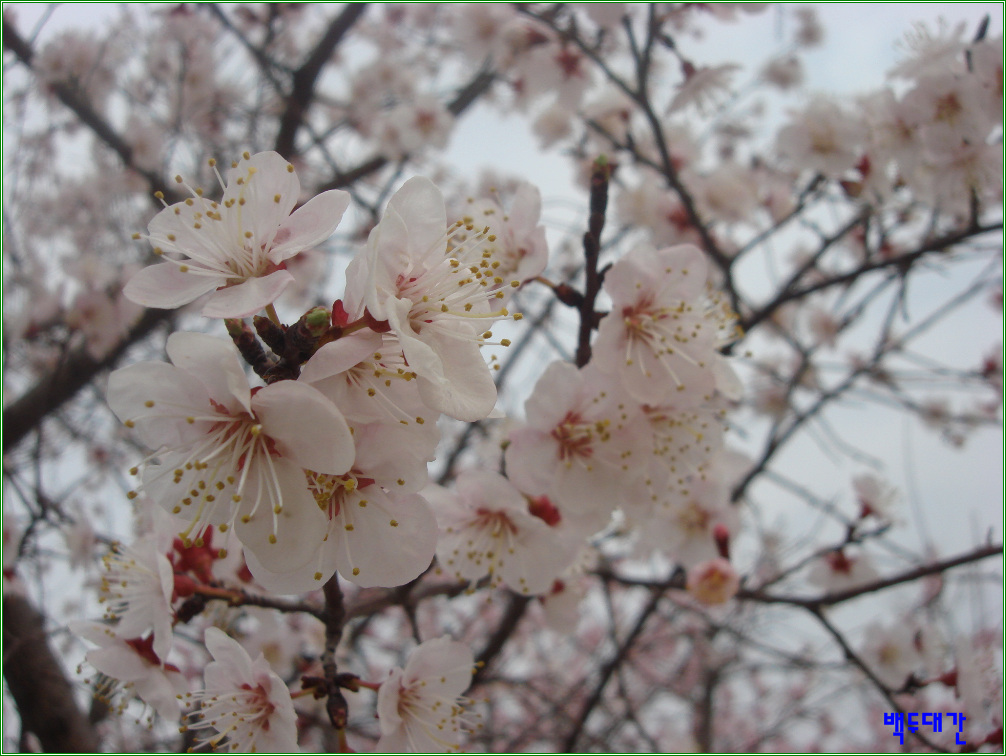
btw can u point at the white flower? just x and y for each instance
(661, 335)
(244, 701)
(420, 708)
(839, 571)
(824, 138)
(408, 127)
(891, 653)
(132, 667)
(713, 582)
(137, 588)
(235, 247)
(231, 457)
(703, 87)
(876, 496)
(520, 247)
(435, 292)
(487, 529)
(687, 508)
(581, 444)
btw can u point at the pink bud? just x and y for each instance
(722, 537)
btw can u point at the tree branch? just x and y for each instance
(304, 78)
(43, 695)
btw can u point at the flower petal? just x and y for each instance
(247, 298)
(214, 362)
(308, 429)
(310, 224)
(164, 286)
(385, 540)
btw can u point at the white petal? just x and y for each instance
(173, 392)
(385, 555)
(310, 224)
(247, 298)
(231, 665)
(341, 355)
(421, 206)
(310, 576)
(164, 286)
(297, 528)
(216, 364)
(308, 429)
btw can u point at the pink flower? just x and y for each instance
(890, 652)
(581, 444)
(839, 570)
(520, 246)
(435, 291)
(235, 247)
(379, 532)
(420, 707)
(133, 668)
(230, 456)
(244, 701)
(661, 335)
(136, 590)
(876, 497)
(487, 529)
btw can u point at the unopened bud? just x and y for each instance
(721, 534)
(317, 320)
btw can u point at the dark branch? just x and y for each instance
(43, 695)
(305, 77)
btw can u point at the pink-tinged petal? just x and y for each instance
(266, 176)
(532, 460)
(100, 635)
(526, 209)
(339, 356)
(161, 691)
(396, 456)
(310, 225)
(444, 664)
(556, 392)
(308, 429)
(120, 662)
(387, 258)
(682, 270)
(586, 491)
(216, 364)
(388, 541)
(421, 206)
(727, 381)
(492, 489)
(542, 557)
(387, 704)
(310, 576)
(247, 298)
(164, 286)
(175, 394)
(625, 282)
(285, 541)
(357, 275)
(231, 664)
(453, 377)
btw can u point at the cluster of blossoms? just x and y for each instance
(321, 469)
(314, 469)
(324, 468)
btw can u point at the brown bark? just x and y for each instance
(43, 695)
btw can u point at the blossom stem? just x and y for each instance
(271, 312)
